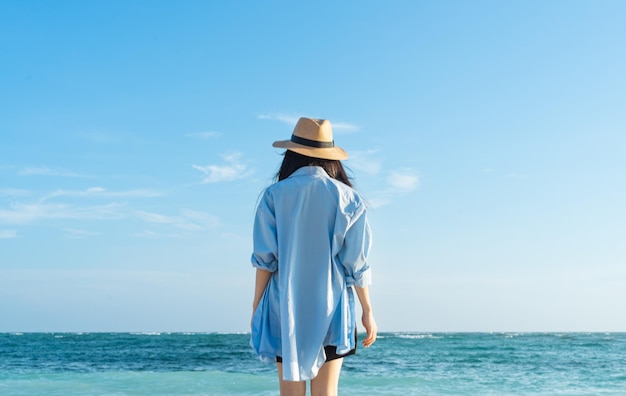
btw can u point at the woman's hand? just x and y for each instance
(370, 327)
(368, 317)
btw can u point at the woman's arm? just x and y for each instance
(368, 316)
(262, 278)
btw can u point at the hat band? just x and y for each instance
(312, 143)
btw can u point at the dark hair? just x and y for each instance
(293, 161)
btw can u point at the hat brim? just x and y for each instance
(333, 153)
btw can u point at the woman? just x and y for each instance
(311, 241)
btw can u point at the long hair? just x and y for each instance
(293, 161)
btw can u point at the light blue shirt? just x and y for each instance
(311, 232)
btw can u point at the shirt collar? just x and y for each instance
(310, 170)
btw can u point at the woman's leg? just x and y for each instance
(327, 380)
(290, 388)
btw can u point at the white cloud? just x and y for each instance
(77, 233)
(344, 127)
(146, 234)
(56, 208)
(233, 169)
(338, 126)
(188, 220)
(378, 201)
(52, 207)
(364, 161)
(204, 135)
(398, 183)
(103, 193)
(21, 213)
(403, 181)
(95, 190)
(201, 218)
(13, 192)
(219, 173)
(139, 193)
(287, 119)
(45, 171)
(8, 234)
(156, 217)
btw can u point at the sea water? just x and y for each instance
(397, 364)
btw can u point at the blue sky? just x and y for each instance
(487, 136)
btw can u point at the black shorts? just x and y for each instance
(331, 352)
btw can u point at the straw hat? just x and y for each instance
(313, 138)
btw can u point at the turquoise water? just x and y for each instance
(398, 364)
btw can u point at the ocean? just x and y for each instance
(68, 364)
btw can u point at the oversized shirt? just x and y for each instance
(310, 231)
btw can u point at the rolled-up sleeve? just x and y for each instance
(354, 252)
(265, 244)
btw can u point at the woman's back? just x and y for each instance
(311, 241)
